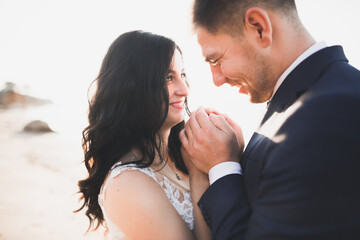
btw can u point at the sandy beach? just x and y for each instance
(38, 182)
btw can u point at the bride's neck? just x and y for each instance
(165, 133)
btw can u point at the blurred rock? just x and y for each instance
(37, 126)
(10, 97)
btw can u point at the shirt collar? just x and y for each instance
(311, 50)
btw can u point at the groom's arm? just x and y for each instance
(309, 186)
(225, 207)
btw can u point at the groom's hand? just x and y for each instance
(197, 177)
(210, 139)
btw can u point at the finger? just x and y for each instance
(187, 160)
(209, 110)
(193, 123)
(227, 118)
(189, 132)
(183, 138)
(230, 121)
(184, 153)
(182, 149)
(203, 118)
(237, 129)
(220, 122)
(192, 126)
(233, 124)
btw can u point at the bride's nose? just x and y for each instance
(182, 88)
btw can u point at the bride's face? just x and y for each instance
(178, 90)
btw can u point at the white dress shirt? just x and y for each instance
(222, 169)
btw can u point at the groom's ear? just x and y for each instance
(258, 27)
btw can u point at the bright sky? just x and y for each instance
(55, 47)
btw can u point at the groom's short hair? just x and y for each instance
(228, 15)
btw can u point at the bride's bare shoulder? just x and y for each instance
(134, 199)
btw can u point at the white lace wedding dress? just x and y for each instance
(178, 195)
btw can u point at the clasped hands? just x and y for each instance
(210, 138)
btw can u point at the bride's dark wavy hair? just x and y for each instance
(128, 109)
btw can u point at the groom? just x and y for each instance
(299, 176)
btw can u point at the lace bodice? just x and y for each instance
(180, 199)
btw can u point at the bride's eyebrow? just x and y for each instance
(174, 72)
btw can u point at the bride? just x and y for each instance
(138, 184)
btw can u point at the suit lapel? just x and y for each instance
(302, 78)
(297, 82)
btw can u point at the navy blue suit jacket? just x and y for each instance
(301, 168)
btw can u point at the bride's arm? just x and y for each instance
(138, 206)
(199, 182)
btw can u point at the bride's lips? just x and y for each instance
(178, 104)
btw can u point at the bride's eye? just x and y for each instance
(169, 78)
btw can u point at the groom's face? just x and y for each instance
(238, 62)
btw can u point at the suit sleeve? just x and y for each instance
(310, 180)
(226, 211)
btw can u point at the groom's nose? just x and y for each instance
(218, 77)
